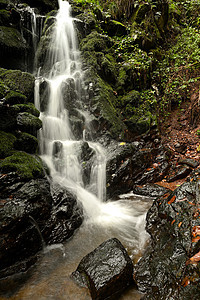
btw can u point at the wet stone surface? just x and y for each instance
(106, 271)
(169, 268)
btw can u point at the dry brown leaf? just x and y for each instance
(171, 200)
(195, 258)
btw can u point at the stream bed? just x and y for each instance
(50, 277)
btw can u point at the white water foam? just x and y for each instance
(59, 148)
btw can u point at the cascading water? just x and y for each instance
(59, 148)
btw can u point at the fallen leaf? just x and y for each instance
(122, 144)
(179, 224)
(195, 258)
(171, 200)
(196, 230)
(173, 222)
(195, 239)
(185, 281)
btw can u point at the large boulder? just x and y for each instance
(136, 163)
(170, 267)
(18, 81)
(106, 271)
(32, 217)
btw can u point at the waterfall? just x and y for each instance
(59, 147)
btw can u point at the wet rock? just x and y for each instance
(166, 270)
(20, 238)
(150, 190)
(131, 166)
(189, 162)
(106, 271)
(181, 148)
(30, 216)
(178, 172)
(86, 158)
(66, 216)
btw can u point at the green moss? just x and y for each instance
(15, 97)
(106, 101)
(11, 38)
(26, 142)
(115, 28)
(28, 123)
(141, 11)
(29, 108)
(4, 16)
(6, 143)
(132, 98)
(3, 89)
(96, 42)
(18, 81)
(25, 165)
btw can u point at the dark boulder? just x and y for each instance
(31, 216)
(178, 172)
(21, 211)
(170, 266)
(151, 190)
(107, 270)
(130, 165)
(66, 216)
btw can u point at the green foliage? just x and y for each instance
(180, 68)
(25, 165)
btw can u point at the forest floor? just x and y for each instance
(180, 132)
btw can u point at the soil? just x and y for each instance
(180, 132)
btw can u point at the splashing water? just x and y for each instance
(60, 149)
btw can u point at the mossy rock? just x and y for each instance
(15, 97)
(25, 165)
(43, 5)
(85, 23)
(96, 42)
(26, 142)
(4, 17)
(29, 108)
(140, 122)
(19, 81)
(132, 98)
(43, 49)
(3, 4)
(107, 67)
(103, 104)
(7, 141)
(28, 123)
(115, 28)
(3, 90)
(11, 39)
(8, 116)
